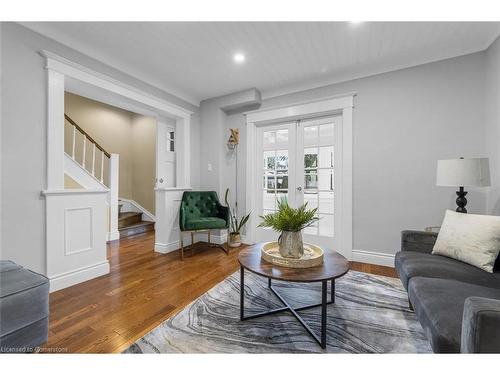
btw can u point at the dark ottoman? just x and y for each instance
(24, 308)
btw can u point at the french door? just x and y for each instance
(297, 161)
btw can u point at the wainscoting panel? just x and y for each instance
(76, 236)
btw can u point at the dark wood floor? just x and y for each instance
(107, 314)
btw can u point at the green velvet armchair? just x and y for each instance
(201, 211)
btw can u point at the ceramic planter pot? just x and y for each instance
(234, 240)
(291, 245)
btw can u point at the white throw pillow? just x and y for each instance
(472, 239)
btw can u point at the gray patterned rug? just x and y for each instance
(370, 315)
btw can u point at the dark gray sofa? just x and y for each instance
(24, 308)
(458, 305)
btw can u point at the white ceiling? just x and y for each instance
(194, 60)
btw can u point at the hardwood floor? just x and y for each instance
(107, 314)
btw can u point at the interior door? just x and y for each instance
(276, 149)
(316, 153)
(298, 160)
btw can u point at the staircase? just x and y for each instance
(131, 223)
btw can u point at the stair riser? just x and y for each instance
(136, 230)
(125, 222)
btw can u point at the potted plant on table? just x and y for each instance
(290, 222)
(235, 225)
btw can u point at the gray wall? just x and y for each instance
(24, 138)
(492, 120)
(403, 122)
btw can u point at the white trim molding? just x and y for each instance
(334, 105)
(373, 257)
(72, 69)
(77, 276)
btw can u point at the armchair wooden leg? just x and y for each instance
(209, 237)
(182, 246)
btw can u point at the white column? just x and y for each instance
(55, 130)
(183, 152)
(114, 163)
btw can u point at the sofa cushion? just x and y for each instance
(439, 305)
(206, 223)
(412, 263)
(472, 239)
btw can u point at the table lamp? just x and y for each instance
(463, 172)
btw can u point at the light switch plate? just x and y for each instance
(209, 167)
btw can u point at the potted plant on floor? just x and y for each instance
(290, 222)
(235, 225)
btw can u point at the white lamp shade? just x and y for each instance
(463, 172)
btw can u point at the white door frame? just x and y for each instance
(71, 256)
(337, 105)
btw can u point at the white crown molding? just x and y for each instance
(74, 70)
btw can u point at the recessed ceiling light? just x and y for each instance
(239, 57)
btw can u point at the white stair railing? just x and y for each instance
(107, 159)
(95, 146)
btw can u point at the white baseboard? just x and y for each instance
(373, 257)
(112, 236)
(198, 237)
(133, 206)
(77, 276)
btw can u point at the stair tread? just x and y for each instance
(135, 225)
(124, 215)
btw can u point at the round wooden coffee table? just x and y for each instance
(334, 266)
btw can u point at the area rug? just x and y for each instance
(370, 315)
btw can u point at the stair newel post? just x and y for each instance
(114, 161)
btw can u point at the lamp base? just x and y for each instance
(461, 200)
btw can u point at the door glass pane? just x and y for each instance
(313, 229)
(326, 202)
(282, 136)
(282, 159)
(310, 136)
(311, 180)
(281, 181)
(326, 134)
(311, 198)
(326, 157)
(310, 158)
(268, 200)
(280, 194)
(325, 179)
(269, 160)
(326, 225)
(269, 139)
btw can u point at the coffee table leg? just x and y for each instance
(333, 291)
(324, 287)
(269, 283)
(242, 293)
